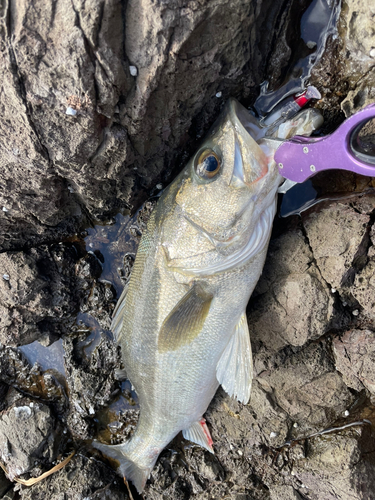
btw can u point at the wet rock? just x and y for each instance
(27, 436)
(81, 478)
(345, 75)
(95, 136)
(37, 295)
(355, 359)
(292, 302)
(90, 380)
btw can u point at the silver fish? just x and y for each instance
(182, 322)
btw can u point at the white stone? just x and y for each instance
(219, 94)
(133, 70)
(372, 53)
(70, 111)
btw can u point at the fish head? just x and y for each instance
(220, 197)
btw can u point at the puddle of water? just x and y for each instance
(49, 358)
(318, 22)
(113, 241)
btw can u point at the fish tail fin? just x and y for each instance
(130, 470)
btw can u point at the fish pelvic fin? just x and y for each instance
(127, 468)
(198, 433)
(184, 323)
(234, 370)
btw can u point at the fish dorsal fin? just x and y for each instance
(184, 323)
(234, 370)
(198, 433)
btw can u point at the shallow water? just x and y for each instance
(51, 357)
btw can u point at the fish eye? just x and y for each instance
(208, 164)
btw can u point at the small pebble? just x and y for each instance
(333, 290)
(70, 111)
(372, 53)
(346, 413)
(273, 435)
(6, 277)
(240, 453)
(219, 94)
(355, 312)
(159, 186)
(295, 425)
(5, 209)
(70, 189)
(310, 44)
(133, 70)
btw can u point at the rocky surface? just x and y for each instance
(101, 101)
(27, 433)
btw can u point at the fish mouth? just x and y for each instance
(250, 165)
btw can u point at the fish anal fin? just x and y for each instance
(184, 323)
(198, 433)
(125, 467)
(234, 370)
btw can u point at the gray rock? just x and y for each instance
(335, 234)
(292, 302)
(80, 132)
(363, 289)
(336, 459)
(308, 389)
(355, 359)
(27, 431)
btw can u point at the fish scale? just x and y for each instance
(182, 323)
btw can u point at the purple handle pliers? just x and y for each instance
(299, 158)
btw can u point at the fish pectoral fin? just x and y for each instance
(118, 315)
(198, 433)
(234, 370)
(184, 323)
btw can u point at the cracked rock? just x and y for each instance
(27, 434)
(355, 359)
(335, 234)
(292, 302)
